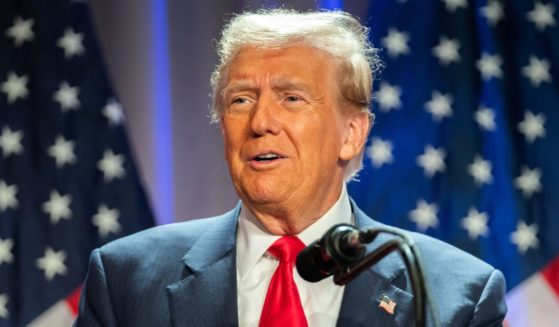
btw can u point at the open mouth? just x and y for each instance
(266, 157)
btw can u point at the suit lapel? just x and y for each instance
(362, 296)
(208, 295)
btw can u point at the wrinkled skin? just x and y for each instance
(285, 105)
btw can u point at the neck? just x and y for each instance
(291, 218)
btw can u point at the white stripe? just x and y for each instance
(533, 303)
(59, 315)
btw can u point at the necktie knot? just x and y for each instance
(286, 248)
(282, 306)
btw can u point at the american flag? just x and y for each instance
(387, 304)
(68, 183)
(466, 142)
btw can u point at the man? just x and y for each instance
(292, 94)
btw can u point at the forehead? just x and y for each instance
(293, 64)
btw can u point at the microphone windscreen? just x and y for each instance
(307, 266)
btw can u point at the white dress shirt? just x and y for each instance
(255, 267)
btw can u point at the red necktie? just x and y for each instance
(282, 306)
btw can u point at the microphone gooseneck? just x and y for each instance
(341, 252)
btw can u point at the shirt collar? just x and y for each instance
(253, 240)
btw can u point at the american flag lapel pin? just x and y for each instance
(387, 304)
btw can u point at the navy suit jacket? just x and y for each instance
(185, 275)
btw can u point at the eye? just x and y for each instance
(293, 98)
(294, 101)
(239, 101)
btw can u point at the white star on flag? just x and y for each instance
(106, 220)
(15, 87)
(529, 181)
(67, 96)
(3, 304)
(111, 165)
(493, 11)
(396, 42)
(481, 171)
(52, 263)
(425, 215)
(537, 71)
(542, 15)
(71, 43)
(113, 112)
(452, 5)
(62, 151)
(439, 106)
(380, 152)
(58, 207)
(10, 142)
(490, 66)
(475, 223)
(485, 117)
(532, 126)
(6, 251)
(7, 196)
(525, 237)
(432, 161)
(388, 97)
(447, 51)
(21, 31)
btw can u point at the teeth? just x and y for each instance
(267, 156)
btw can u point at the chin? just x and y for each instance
(266, 193)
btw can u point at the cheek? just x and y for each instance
(330, 144)
(318, 146)
(232, 140)
(232, 130)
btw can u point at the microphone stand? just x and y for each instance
(411, 258)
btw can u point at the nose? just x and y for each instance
(264, 117)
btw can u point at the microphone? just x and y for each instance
(341, 246)
(341, 252)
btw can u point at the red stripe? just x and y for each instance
(73, 300)
(551, 275)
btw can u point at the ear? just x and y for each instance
(357, 128)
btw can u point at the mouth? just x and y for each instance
(267, 157)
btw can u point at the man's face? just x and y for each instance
(286, 137)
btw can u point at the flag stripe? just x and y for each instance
(73, 300)
(533, 303)
(551, 275)
(58, 315)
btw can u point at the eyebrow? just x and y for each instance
(283, 84)
(278, 84)
(237, 86)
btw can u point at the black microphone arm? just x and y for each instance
(409, 254)
(341, 252)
